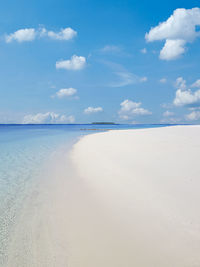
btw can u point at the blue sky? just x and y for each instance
(83, 61)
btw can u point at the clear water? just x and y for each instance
(23, 151)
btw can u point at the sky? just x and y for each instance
(80, 61)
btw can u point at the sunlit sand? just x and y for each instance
(120, 198)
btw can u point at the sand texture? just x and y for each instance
(119, 199)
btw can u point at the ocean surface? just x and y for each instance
(24, 149)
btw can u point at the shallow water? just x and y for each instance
(24, 150)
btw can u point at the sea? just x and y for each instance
(24, 149)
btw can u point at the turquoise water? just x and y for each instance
(23, 151)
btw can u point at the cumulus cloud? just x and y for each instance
(75, 63)
(180, 25)
(177, 30)
(90, 110)
(23, 35)
(130, 108)
(172, 49)
(163, 80)
(168, 113)
(185, 96)
(66, 92)
(193, 116)
(63, 34)
(47, 118)
(30, 34)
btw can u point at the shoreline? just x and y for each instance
(117, 198)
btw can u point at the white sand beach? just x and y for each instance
(128, 198)
(147, 184)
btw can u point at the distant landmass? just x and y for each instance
(103, 122)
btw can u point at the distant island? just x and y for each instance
(103, 123)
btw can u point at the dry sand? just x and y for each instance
(147, 183)
(128, 198)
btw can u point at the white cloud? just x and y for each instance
(129, 109)
(66, 119)
(23, 35)
(63, 34)
(172, 49)
(47, 118)
(128, 105)
(180, 83)
(90, 110)
(180, 25)
(163, 80)
(143, 51)
(75, 63)
(30, 34)
(143, 79)
(168, 113)
(66, 92)
(187, 98)
(196, 84)
(42, 32)
(177, 30)
(193, 116)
